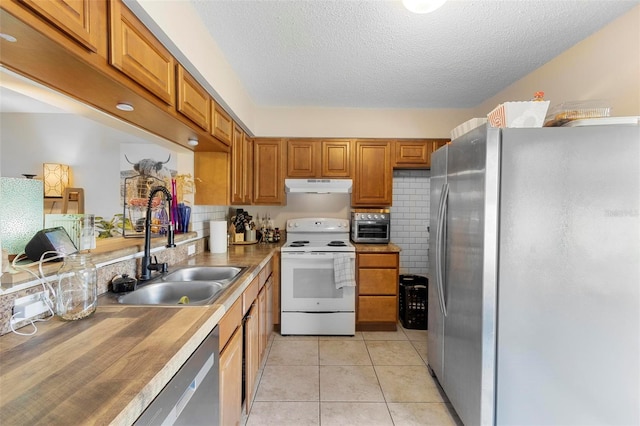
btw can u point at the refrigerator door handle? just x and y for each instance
(440, 244)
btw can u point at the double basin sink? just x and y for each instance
(188, 286)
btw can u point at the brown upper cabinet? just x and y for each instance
(313, 158)
(241, 167)
(268, 176)
(373, 177)
(139, 55)
(415, 154)
(79, 19)
(193, 101)
(222, 124)
(412, 154)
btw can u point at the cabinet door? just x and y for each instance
(336, 158)
(302, 158)
(230, 386)
(222, 124)
(79, 19)
(268, 181)
(252, 355)
(248, 169)
(412, 154)
(269, 287)
(373, 175)
(262, 310)
(137, 53)
(213, 186)
(193, 101)
(238, 166)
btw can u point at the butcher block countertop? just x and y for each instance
(106, 369)
(377, 248)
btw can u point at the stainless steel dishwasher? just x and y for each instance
(191, 396)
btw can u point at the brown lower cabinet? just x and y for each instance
(251, 353)
(231, 380)
(377, 278)
(244, 331)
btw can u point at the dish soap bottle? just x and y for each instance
(77, 292)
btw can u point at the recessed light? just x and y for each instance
(124, 107)
(8, 37)
(192, 142)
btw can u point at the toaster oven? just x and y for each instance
(372, 226)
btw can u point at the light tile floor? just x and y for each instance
(372, 378)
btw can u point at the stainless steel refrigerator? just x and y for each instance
(534, 296)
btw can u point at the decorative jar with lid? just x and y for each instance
(77, 292)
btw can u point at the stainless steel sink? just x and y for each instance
(188, 286)
(174, 293)
(205, 273)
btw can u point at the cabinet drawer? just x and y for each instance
(377, 281)
(250, 294)
(229, 322)
(377, 309)
(378, 260)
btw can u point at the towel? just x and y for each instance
(344, 270)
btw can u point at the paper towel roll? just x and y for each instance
(218, 236)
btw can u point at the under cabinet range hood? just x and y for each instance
(318, 186)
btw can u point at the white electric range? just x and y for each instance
(311, 302)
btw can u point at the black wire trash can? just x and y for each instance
(413, 301)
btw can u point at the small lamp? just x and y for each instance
(56, 179)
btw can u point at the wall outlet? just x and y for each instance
(191, 249)
(30, 306)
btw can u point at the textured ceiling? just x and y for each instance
(376, 54)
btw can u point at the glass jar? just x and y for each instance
(77, 292)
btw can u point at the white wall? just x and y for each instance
(605, 65)
(94, 153)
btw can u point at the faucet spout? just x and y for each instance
(147, 264)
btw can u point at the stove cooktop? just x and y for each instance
(318, 234)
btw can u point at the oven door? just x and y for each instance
(308, 284)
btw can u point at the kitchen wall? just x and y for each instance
(304, 205)
(410, 219)
(603, 66)
(94, 152)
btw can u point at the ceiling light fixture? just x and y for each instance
(422, 6)
(124, 107)
(192, 142)
(8, 37)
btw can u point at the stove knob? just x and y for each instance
(382, 216)
(375, 216)
(369, 216)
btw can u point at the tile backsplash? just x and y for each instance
(410, 219)
(201, 215)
